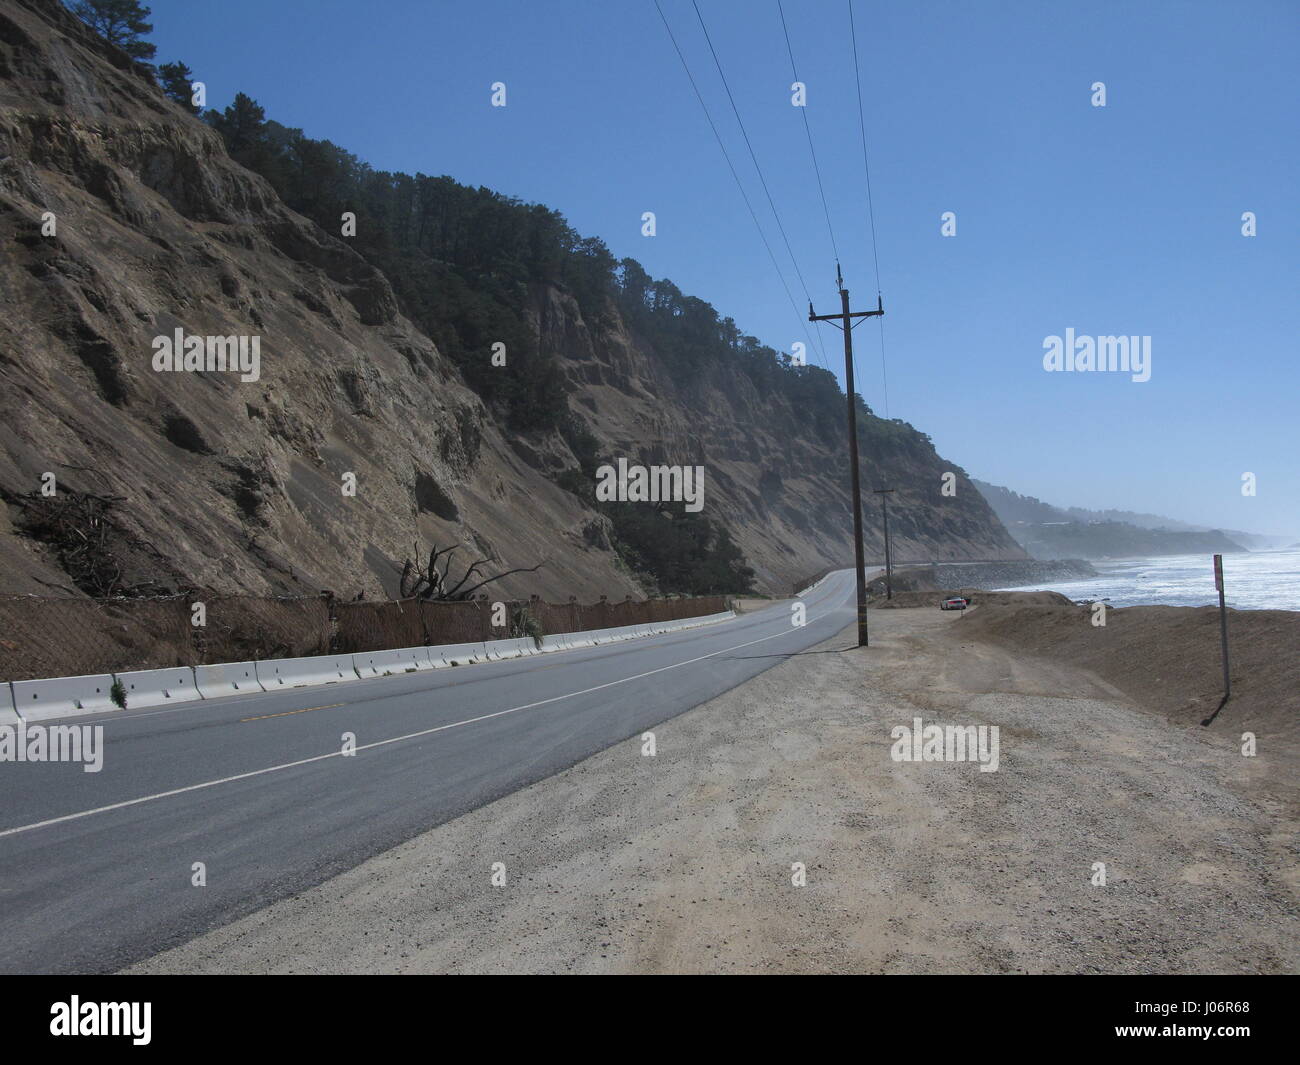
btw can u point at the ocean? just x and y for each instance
(1258, 580)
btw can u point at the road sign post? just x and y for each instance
(1223, 638)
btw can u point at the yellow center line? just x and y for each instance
(287, 713)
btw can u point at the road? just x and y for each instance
(96, 868)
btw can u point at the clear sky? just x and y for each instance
(1123, 219)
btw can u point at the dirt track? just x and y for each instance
(682, 862)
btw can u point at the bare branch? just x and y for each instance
(468, 573)
(522, 569)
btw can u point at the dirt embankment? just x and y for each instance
(1165, 658)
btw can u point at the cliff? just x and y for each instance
(123, 219)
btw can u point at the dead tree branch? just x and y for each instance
(426, 582)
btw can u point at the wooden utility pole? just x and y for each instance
(843, 321)
(884, 494)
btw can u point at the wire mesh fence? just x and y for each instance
(46, 637)
(378, 626)
(458, 622)
(243, 629)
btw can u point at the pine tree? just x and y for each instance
(120, 22)
(176, 79)
(243, 125)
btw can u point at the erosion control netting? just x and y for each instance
(378, 626)
(243, 629)
(560, 617)
(71, 637)
(458, 622)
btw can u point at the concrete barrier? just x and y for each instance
(36, 700)
(227, 678)
(713, 619)
(159, 687)
(278, 674)
(496, 650)
(800, 595)
(456, 654)
(383, 663)
(8, 715)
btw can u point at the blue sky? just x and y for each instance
(1117, 220)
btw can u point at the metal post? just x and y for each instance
(1223, 639)
(1223, 626)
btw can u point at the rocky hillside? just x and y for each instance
(123, 219)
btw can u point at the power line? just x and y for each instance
(808, 130)
(871, 210)
(762, 180)
(816, 346)
(812, 151)
(862, 126)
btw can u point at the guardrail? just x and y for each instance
(35, 700)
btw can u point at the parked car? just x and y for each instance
(954, 602)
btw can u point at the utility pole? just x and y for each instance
(843, 321)
(884, 494)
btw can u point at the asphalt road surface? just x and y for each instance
(96, 868)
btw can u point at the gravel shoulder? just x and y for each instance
(682, 862)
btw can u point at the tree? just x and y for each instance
(243, 126)
(176, 84)
(425, 582)
(120, 22)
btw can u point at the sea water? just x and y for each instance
(1254, 580)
